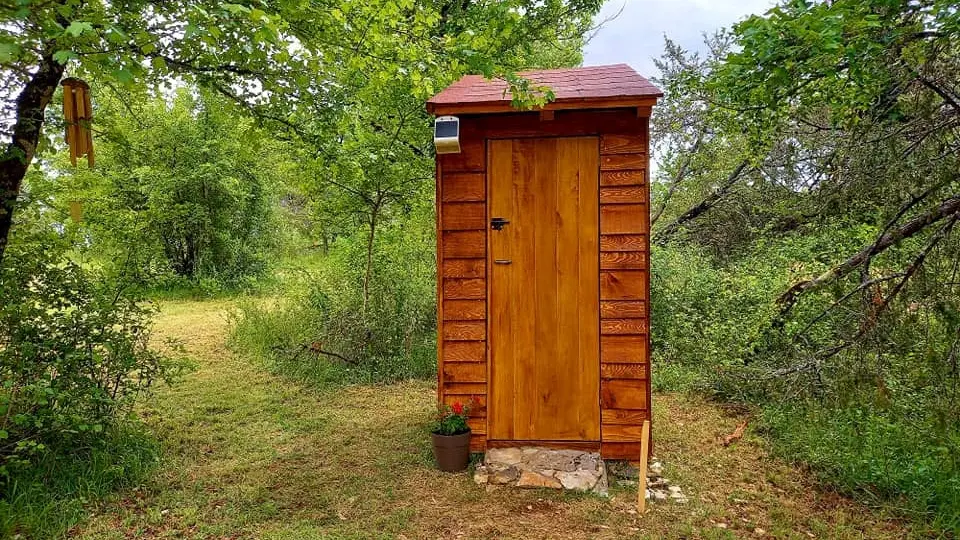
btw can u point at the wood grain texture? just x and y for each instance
(464, 268)
(459, 216)
(628, 349)
(623, 394)
(622, 309)
(630, 143)
(464, 389)
(623, 326)
(463, 289)
(618, 162)
(623, 260)
(465, 372)
(623, 371)
(463, 187)
(546, 301)
(478, 442)
(470, 159)
(623, 178)
(478, 425)
(464, 310)
(623, 285)
(629, 451)
(623, 195)
(623, 242)
(464, 244)
(564, 124)
(627, 417)
(622, 432)
(465, 351)
(623, 219)
(584, 446)
(464, 330)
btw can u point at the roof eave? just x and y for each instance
(503, 106)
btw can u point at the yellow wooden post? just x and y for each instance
(642, 477)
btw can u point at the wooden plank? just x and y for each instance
(623, 326)
(464, 330)
(464, 268)
(585, 446)
(623, 394)
(615, 349)
(463, 187)
(564, 124)
(623, 219)
(623, 309)
(588, 298)
(476, 405)
(623, 195)
(464, 389)
(618, 162)
(464, 351)
(623, 371)
(629, 451)
(642, 475)
(460, 216)
(464, 310)
(630, 143)
(623, 242)
(623, 285)
(477, 425)
(465, 372)
(622, 432)
(464, 244)
(464, 289)
(623, 178)
(639, 106)
(623, 417)
(470, 159)
(478, 443)
(623, 260)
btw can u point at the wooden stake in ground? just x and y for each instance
(642, 476)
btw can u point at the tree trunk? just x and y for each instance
(31, 104)
(700, 208)
(371, 238)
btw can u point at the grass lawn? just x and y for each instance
(251, 455)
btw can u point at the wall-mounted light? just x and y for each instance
(446, 135)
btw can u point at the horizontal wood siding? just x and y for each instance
(461, 283)
(624, 288)
(624, 264)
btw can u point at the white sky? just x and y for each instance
(636, 36)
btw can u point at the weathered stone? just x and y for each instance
(481, 476)
(577, 480)
(509, 456)
(589, 462)
(656, 467)
(623, 470)
(675, 489)
(530, 479)
(504, 475)
(558, 460)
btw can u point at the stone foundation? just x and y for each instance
(535, 467)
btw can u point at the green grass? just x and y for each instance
(51, 496)
(252, 454)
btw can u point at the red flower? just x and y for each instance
(457, 408)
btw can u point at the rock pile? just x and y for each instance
(659, 487)
(535, 467)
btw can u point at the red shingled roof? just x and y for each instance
(589, 86)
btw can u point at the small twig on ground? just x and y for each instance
(736, 435)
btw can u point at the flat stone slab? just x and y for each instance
(537, 467)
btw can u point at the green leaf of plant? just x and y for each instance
(78, 27)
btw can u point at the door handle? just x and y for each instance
(498, 223)
(502, 261)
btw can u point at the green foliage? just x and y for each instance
(324, 330)
(452, 420)
(73, 354)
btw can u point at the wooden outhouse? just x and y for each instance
(542, 254)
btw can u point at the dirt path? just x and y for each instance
(253, 455)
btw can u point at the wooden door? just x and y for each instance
(544, 289)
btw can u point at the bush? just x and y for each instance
(73, 355)
(324, 329)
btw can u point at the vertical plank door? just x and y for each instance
(544, 297)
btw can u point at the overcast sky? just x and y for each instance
(636, 36)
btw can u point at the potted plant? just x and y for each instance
(451, 438)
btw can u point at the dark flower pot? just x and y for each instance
(452, 452)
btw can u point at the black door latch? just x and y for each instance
(498, 223)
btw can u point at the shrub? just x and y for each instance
(73, 354)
